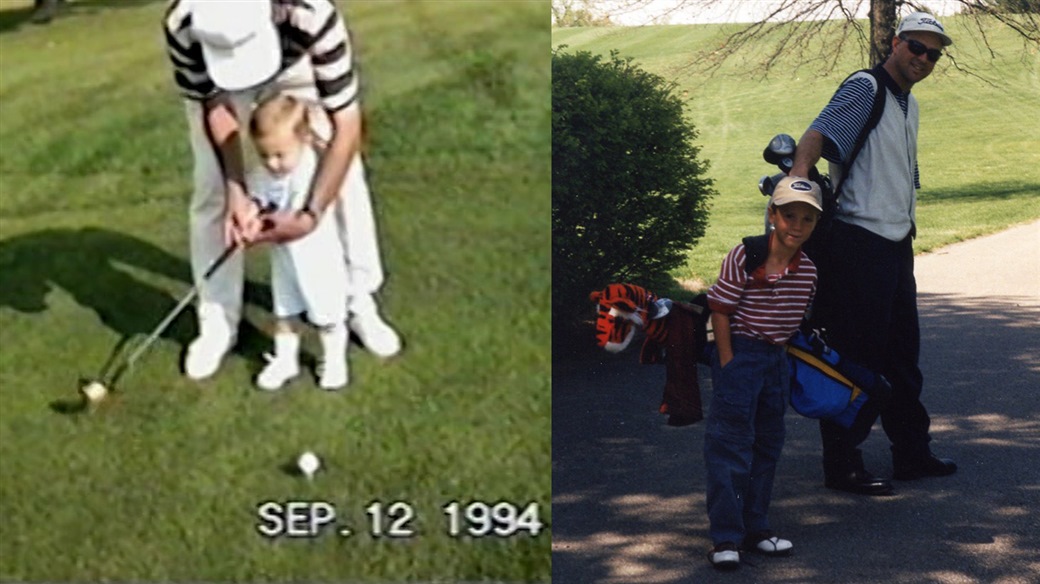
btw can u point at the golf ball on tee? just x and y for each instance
(308, 463)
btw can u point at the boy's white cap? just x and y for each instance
(795, 189)
(923, 22)
(240, 42)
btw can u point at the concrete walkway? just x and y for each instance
(628, 491)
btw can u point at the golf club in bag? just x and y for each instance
(95, 390)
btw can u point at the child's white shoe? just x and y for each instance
(283, 366)
(332, 371)
(333, 374)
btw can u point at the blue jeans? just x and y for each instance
(744, 437)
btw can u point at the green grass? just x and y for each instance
(162, 483)
(978, 139)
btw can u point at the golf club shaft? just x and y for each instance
(176, 311)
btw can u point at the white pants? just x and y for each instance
(222, 293)
(308, 275)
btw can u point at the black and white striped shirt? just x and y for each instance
(846, 114)
(311, 28)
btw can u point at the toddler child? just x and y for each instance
(308, 275)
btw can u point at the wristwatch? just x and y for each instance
(311, 209)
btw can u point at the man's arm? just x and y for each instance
(335, 161)
(224, 134)
(808, 153)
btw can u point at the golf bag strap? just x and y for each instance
(876, 111)
(756, 250)
(826, 369)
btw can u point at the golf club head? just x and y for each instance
(768, 183)
(83, 404)
(780, 151)
(765, 185)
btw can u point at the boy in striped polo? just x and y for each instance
(227, 54)
(764, 289)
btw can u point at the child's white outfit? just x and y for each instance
(308, 275)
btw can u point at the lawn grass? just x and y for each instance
(978, 138)
(163, 482)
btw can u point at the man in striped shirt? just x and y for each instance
(227, 54)
(764, 289)
(868, 297)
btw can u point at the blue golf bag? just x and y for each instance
(824, 385)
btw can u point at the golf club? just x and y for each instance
(95, 390)
(780, 151)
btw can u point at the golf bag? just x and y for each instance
(825, 385)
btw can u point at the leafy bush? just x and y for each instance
(629, 193)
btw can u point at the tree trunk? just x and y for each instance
(882, 29)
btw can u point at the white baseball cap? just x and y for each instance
(923, 22)
(240, 42)
(795, 189)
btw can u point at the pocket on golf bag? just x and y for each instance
(826, 386)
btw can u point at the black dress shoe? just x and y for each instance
(859, 482)
(930, 466)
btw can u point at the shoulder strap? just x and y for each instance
(876, 111)
(756, 250)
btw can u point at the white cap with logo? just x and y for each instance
(240, 42)
(923, 22)
(795, 189)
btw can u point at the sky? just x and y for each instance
(716, 11)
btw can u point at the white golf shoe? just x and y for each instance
(374, 332)
(283, 366)
(206, 352)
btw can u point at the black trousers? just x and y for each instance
(867, 301)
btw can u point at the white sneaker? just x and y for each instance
(283, 366)
(377, 336)
(333, 375)
(277, 372)
(724, 556)
(333, 372)
(208, 349)
(767, 543)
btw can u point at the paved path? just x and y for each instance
(628, 491)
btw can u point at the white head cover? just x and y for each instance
(240, 42)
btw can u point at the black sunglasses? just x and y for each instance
(918, 48)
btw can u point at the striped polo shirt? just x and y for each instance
(311, 28)
(847, 112)
(768, 308)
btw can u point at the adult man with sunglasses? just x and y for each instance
(867, 297)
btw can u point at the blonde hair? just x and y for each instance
(279, 111)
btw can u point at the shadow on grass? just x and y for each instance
(14, 18)
(94, 267)
(628, 492)
(980, 192)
